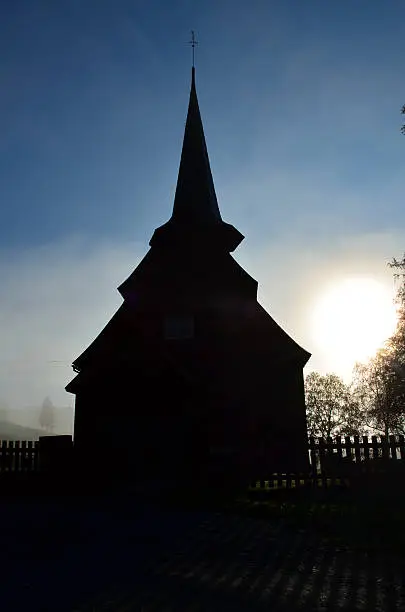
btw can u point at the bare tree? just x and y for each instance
(398, 266)
(379, 385)
(403, 112)
(331, 409)
(379, 389)
(397, 341)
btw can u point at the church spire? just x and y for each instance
(195, 200)
(196, 216)
(193, 43)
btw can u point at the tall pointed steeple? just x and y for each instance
(195, 200)
(196, 214)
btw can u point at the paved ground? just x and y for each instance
(146, 560)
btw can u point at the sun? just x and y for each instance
(352, 319)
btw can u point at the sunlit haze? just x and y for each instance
(352, 318)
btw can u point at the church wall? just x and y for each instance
(278, 419)
(157, 425)
(142, 426)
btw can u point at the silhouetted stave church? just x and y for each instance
(191, 373)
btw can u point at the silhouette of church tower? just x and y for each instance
(191, 373)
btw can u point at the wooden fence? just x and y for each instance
(19, 456)
(345, 461)
(330, 459)
(354, 450)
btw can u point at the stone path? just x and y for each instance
(234, 563)
(58, 559)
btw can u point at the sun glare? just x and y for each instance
(352, 319)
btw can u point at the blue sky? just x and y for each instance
(300, 104)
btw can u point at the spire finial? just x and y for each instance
(193, 42)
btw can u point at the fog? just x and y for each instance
(57, 297)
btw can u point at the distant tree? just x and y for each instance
(47, 415)
(331, 408)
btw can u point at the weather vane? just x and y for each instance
(193, 42)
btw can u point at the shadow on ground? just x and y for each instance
(122, 554)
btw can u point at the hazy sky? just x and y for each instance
(300, 104)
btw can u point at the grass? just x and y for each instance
(367, 524)
(362, 520)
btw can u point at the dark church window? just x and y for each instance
(179, 327)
